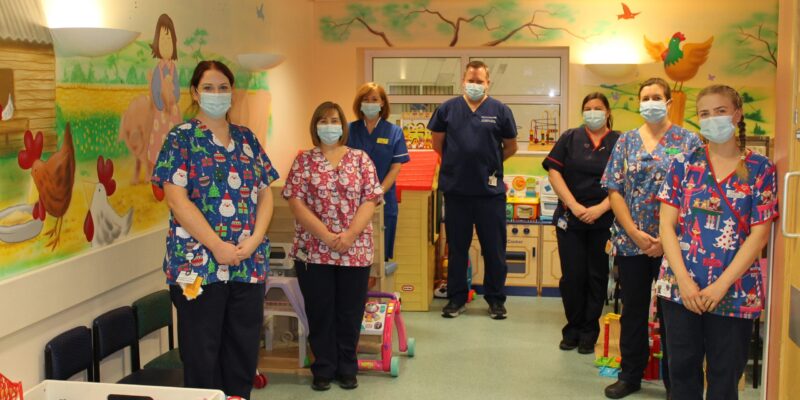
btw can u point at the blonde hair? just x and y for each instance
(319, 113)
(366, 89)
(736, 99)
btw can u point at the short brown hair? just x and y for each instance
(657, 81)
(477, 64)
(320, 112)
(364, 90)
(165, 22)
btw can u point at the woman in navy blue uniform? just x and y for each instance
(383, 141)
(582, 218)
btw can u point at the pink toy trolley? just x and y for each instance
(381, 312)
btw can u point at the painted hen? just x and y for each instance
(54, 179)
(103, 225)
(680, 64)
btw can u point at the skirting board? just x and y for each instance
(43, 292)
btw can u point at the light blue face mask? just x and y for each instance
(370, 110)
(215, 105)
(594, 119)
(653, 111)
(329, 133)
(474, 91)
(717, 129)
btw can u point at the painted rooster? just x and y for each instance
(53, 178)
(103, 225)
(680, 64)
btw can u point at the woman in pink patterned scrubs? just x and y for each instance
(332, 191)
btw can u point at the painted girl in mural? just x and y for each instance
(165, 90)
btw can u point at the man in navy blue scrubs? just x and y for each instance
(474, 134)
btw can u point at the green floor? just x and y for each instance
(475, 357)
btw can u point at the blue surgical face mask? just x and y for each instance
(474, 91)
(594, 119)
(215, 105)
(717, 129)
(370, 110)
(329, 133)
(653, 111)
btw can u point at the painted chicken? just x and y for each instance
(53, 178)
(103, 225)
(680, 64)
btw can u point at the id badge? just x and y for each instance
(664, 288)
(562, 223)
(493, 181)
(301, 255)
(187, 277)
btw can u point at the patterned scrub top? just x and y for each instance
(223, 183)
(333, 195)
(714, 220)
(637, 175)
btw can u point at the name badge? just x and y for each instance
(492, 181)
(383, 140)
(664, 288)
(187, 277)
(733, 194)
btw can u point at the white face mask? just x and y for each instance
(329, 133)
(474, 91)
(653, 111)
(594, 119)
(717, 129)
(215, 105)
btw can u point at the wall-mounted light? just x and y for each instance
(90, 42)
(259, 61)
(612, 71)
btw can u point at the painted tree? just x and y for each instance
(112, 63)
(753, 44)
(725, 240)
(503, 19)
(196, 42)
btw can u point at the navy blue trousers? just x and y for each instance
(488, 216)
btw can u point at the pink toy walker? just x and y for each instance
(381, 312)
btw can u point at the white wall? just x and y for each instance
(37, 306)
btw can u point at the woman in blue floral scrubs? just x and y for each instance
(718, 203)
(633, 177)
(215, 176)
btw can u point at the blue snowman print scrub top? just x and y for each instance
(637, 175)
(715, 215)
(223, 182)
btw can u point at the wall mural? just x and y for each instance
(737, 48)
(77, 144)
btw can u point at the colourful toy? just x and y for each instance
(380, 313)
(653, 370)
(605, 361)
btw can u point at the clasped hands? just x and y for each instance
(700, 301)
(227, 253)
(339, 242)
(587, 215)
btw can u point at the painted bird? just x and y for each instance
(103, 225)
(626, 13)
(680, 64)
(54, 179)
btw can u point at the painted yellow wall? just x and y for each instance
(607, 40)
(39, 304)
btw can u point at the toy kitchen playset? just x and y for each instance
(531, 250)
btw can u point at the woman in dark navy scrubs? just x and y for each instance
(385, 145)
(582, 218)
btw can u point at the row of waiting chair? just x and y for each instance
(81, 349)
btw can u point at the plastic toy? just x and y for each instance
(605, 360)
(10, 390)
(441, 290)
(653, 370)
(380, 314)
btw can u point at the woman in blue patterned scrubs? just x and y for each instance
(633, 177)
(215, 176)
(718, 203)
